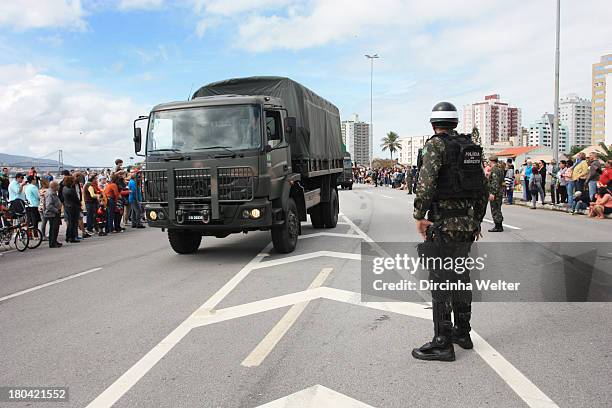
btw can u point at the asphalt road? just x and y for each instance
(237, 325)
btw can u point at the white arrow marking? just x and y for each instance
(303, 257)
(329, 234)
(316, 396)
(265, 347)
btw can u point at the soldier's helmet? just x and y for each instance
(444, 115)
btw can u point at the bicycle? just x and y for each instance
(10, 231)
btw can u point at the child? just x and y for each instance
(581, 202)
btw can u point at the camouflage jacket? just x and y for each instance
(496, 180)
(432, 158)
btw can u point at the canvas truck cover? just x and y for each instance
(318, 121)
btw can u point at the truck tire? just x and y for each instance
(316, 217)
(184, 241)
(285, 237)
(330, 210)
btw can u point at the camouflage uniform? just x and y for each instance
(496, 180)
(449, 235)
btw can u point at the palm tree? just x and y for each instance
(476, 135)
(607, 152)
(391, 142)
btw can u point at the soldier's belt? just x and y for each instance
(455, 212)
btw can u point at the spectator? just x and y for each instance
(543, 171)
(571, 185)
(72, 208)
(111, 191)
(91, 197)
(535, 185)
(4, 184)
(581, 202)
(118, 165)
(606, 175)
(553, 170)
(48, 177)
(580, 172)
(509, 181)
(65, 173)
(562, 183)
(79, 182)
(15, 190)
(135, 199)
(528, 168)
(53, 209)
(603, 204)
(593, 175)
(44, 186)
(32, 201)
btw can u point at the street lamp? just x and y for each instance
(371, 58)
(555, 135)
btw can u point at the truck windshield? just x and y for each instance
(186, 130)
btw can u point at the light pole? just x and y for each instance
(371, 58)
(555, 135)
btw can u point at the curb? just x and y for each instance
(550, 207)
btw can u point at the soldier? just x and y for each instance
(451, 191)
(409, 180)
(496, 194)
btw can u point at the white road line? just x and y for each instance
(329, 234)
(44, 285)
(267, 344)
(8, 251)
(386, 196)
(521, 385)
(505, 225)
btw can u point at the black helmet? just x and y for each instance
(444, 115)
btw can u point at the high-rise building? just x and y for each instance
(410, 149)
(497, 122)
(540, 134)
(575, 113)
(601, 77)
(357, 139)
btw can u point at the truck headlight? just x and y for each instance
(255, 213)
(152, 215)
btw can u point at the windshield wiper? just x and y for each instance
(233, 153)
(164, 150)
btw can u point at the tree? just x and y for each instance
(475, 135)
(391, 142)
(575, 149)
(607, 152)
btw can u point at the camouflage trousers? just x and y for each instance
(496, 211)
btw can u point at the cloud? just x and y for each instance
(33, 14)
(41, 114)
(139, 4)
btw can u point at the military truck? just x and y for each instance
(345, 179)
(246, 154)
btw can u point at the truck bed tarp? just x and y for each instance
(318, 121)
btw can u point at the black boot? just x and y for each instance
(441, 347)
(497, 228)
(461, 330)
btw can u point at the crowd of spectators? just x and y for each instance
(89, 202)
(583, 185)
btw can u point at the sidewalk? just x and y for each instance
(549, 206)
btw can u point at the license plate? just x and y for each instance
(195, 218)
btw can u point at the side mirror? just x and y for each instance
(290, 129)
(138, 135)
(268, 148)
(137, 140)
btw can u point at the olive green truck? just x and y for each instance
(245, 154)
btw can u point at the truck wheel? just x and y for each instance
(330, 210)
(184, 241)
(284, 237)
(316, 218)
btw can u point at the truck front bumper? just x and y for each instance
(253, 215)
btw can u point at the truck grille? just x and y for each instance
(235, 184)
(192, 183)
(155, 186)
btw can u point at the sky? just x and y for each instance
(74, 74)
